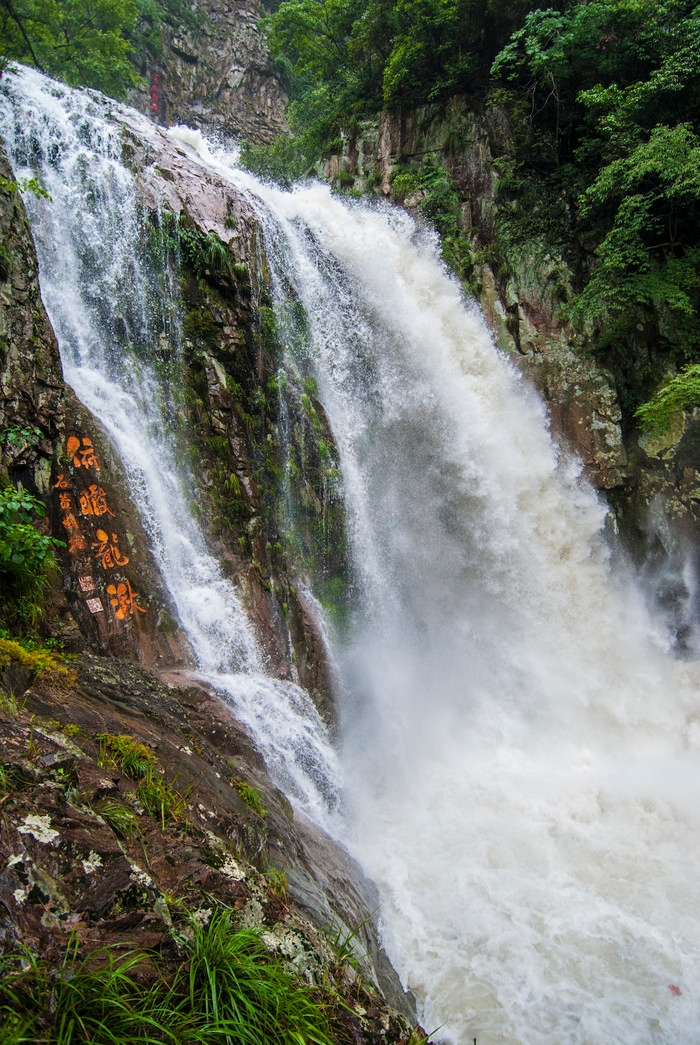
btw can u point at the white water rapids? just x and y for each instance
(521, 755)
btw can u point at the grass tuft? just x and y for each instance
(123, 821)
(138, 762)
(131, 756)
(227, 991)
(251, 796)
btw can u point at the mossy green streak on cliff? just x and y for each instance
(251, 429)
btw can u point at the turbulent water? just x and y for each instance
(522, 756)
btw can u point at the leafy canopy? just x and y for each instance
(612, 93)
(79, 41)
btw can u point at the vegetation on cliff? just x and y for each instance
(603, 102)
(88, 43)
(123, 922)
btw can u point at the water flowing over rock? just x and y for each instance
(652, 491)
(514, 756)
(104, 475)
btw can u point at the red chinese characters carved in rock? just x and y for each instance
(123, 600)
(93, 501)
(107, 550)
(83, 452)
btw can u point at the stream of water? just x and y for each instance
(521, 754)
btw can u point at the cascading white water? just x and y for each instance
(522, 756)
(97, 291)
(525, 757)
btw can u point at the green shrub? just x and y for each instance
(285, 160)
(683, 390)
(27, 557)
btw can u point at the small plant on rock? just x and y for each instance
(119, 817)
(131, 756)
(251, 796)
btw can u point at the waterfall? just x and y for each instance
(521, 754)
(107, 312)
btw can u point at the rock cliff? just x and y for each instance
(208, 67)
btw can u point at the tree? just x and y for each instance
(79, 41)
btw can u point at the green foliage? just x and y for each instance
(22, 547)
(284, 160)
(435, 51)
(131, 756)
(609, 98)
(205, 254)
(80, 41)
(226, 991)
(682, 391)
(430, 188)
(24, 185)
(19, 438)
(345, 59)
(250, 795)
(160, 799)
(120, 818)
(27, 557)
(276, 876)
(215, 253)
(333, 65)
(138, 762)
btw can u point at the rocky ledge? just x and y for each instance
(128, 799)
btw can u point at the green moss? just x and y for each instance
(41, 664)
(682, 391)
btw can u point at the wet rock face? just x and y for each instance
(214, 73)
(84, 851)
(57, 451)
(224, 372)
(262, 454)
(111, 581)
(32, 392)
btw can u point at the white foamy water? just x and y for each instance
(522, 755)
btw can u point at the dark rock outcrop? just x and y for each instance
(82, 851)
(214, 72)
